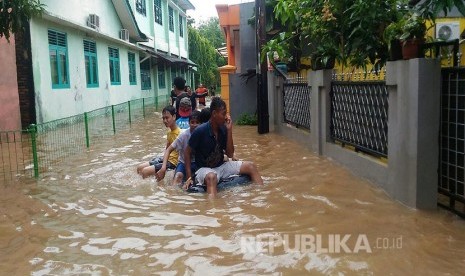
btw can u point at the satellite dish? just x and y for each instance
(444, 32)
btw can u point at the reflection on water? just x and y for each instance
(94, 215)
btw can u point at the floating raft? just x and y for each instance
(229, 182)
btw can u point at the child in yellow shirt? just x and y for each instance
(147, 169)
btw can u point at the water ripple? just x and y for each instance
(174, 219)
(322, 199)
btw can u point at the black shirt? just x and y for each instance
(173, 97)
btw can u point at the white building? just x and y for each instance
(82, 55)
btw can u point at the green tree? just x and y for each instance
(14, 15)
(202, 52)
(349, 31)
(190, 21)
(203, 42)
(211, 29)
(431, 8)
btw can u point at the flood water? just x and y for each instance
(94, 215)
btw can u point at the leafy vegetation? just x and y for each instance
(349, 31)
(353, 32)
(203, 42)
(430, 9)
(247, 119)
(14, 15)
(412, 26)
(211, 29)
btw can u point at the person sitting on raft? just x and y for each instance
(184, 111)
(209, 142)
(149, 168)
(179, 145)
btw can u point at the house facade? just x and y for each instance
(242, 58)
(81, 55)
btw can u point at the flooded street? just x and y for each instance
(94, 215)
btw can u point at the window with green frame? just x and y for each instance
(90, 58)
(132, 68)
(145, 79)
(158, 12)
(115, 75)
(58, 51)
(171, 19)
(161, 76)
(181, 26)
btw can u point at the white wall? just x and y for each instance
(146, 22)
(183, 40)
(173, 47)
(78, 11)
(53, 104)
(161, 31)
(160, 37)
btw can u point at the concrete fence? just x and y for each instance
(410, 174)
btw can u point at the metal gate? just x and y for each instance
(452, 141)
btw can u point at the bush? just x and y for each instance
(247, 119)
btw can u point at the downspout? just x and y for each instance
(262, 70)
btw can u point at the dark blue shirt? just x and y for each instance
(207, 151)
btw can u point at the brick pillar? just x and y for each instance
(10, 118)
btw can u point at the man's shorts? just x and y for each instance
(181, 167)
(224, 171)
(158, 163)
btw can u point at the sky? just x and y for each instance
(205, 9)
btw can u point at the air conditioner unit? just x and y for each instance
(93, 21)
(447, 30)
(124, 34)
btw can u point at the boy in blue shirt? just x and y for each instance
(184, 111)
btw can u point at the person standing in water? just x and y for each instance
(192, 97)
(201, 93)
(179, 84)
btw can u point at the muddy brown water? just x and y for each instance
(94, 215)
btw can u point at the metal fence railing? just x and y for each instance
(452, 141)
(297, 96)
(27, 153)
(448, 52)
(359, 115)
(16, 153)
